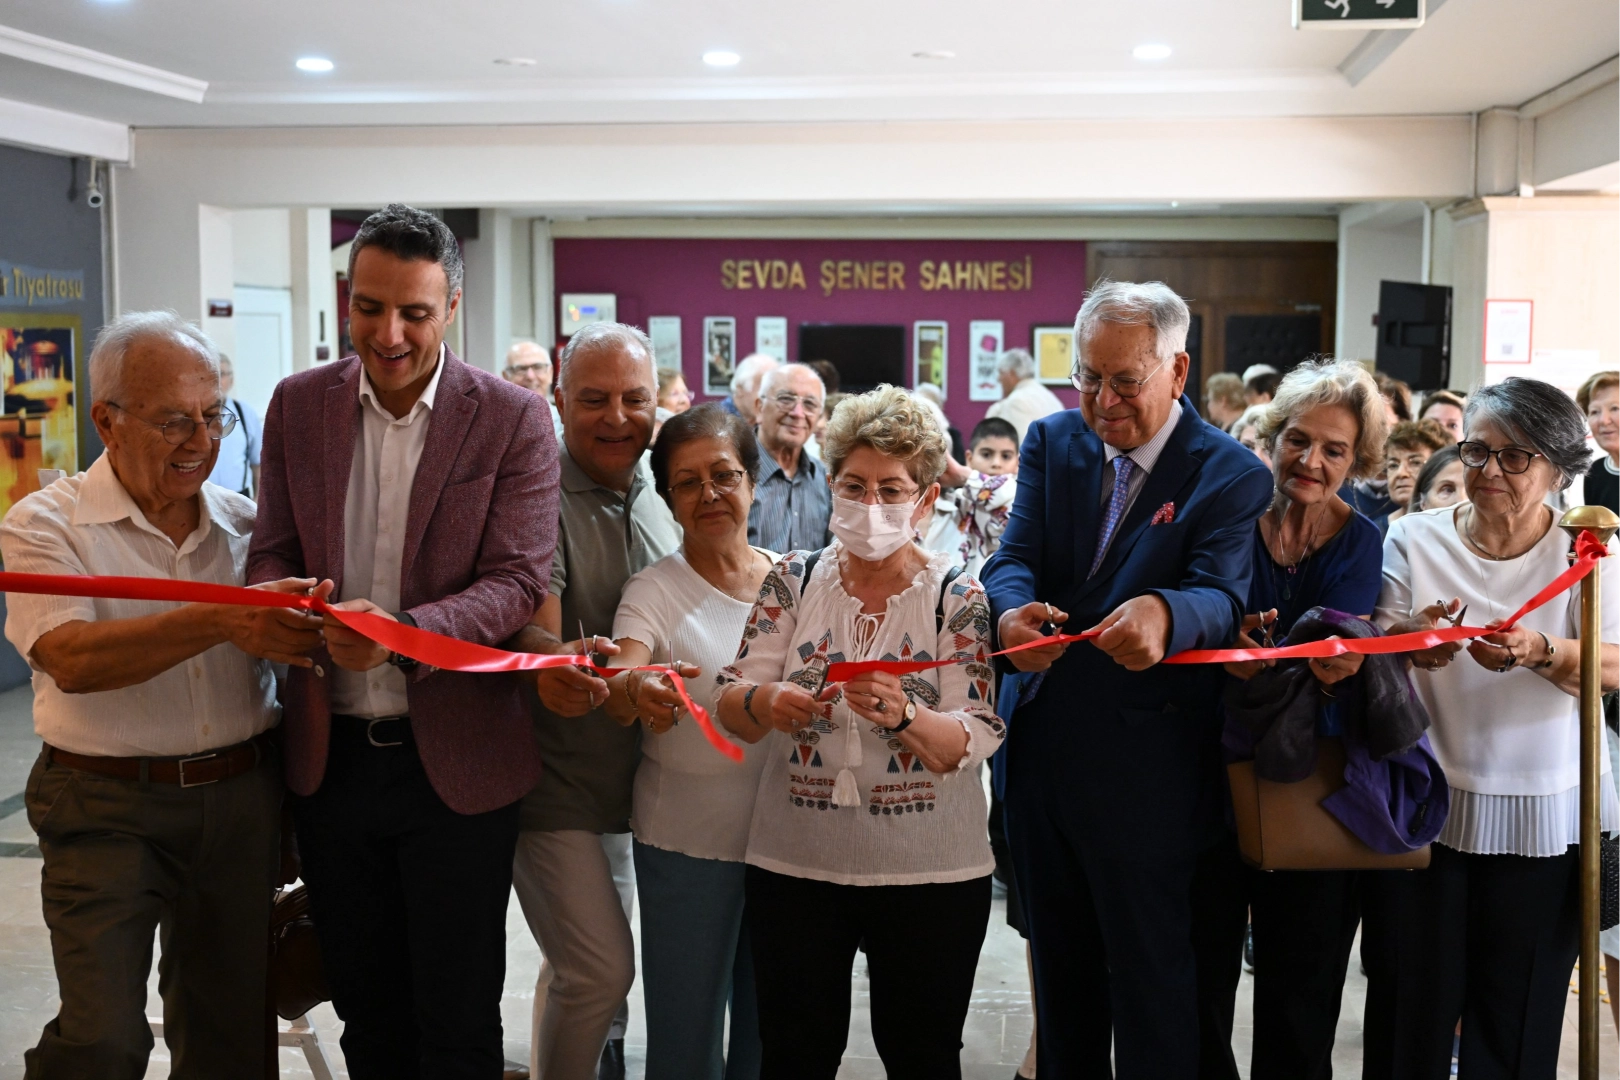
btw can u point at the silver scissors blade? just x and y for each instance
(1456, 620)
(583, 649)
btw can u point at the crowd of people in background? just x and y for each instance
(736, 550)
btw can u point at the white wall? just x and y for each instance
(261, 248)
(1377, 242)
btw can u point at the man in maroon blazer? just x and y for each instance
(416, 487)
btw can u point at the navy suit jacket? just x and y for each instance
(1097, 738)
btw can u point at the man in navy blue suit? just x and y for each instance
(1135, 516)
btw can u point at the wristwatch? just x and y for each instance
(908, 715)
(404, 663)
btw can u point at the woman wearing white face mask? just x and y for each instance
(869, 823)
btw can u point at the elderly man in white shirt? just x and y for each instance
(156, 796)
(1024, 399)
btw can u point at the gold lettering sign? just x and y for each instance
(882, 275)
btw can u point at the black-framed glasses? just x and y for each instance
(888, 494)
(786, 402)
(1089, 382)
(723, 483)
(1513, 459)
(182, 428)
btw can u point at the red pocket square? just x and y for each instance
(1165, 514)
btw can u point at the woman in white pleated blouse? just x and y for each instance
(1489, 931)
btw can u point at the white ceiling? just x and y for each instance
(603, 61)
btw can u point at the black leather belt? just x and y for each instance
(382, 730)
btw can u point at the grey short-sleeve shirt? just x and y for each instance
(603, 537)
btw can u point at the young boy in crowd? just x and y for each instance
(972, 509)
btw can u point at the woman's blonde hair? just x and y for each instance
(1331, 382)
(892, 422)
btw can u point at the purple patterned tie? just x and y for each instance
(1123, 467)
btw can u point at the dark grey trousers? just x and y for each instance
(125, 860)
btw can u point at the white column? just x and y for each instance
(543, 280)
(216, 264)
(1377, 242)
(314, 287)
(486, 304)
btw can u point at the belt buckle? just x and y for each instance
(373, 722)
(180, 767)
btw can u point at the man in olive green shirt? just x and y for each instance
(572, 870)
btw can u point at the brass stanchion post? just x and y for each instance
(1601, 522)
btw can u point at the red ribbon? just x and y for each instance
(450, 654)
(420, 645)
(1588, 550)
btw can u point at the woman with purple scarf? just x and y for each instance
(1318, 570)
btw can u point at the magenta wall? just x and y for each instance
(683, 277)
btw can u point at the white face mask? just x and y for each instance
(872, 531)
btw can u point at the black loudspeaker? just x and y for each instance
(1414, 333)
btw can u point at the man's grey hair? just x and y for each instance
(755, 364)
(929, 392)
(117, 337)
(1326, 381)
(1536, 415)
(519, 347)
(593, 336)
(1017, 361)
(408, 233)
(1148, 303)
(780, 374)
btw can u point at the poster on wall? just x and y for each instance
(1053, 347)
(984, 349)
(719, 354)
(1507, 331)
(38, 354)
(770, 336)
(930, 354)
(665, 332)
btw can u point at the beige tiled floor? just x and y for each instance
(996, 1035)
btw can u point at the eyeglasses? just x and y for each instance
(529, 369)
(889, 494)
(786, 402)
(723, 483)
(1089, 383)
(182, 428)
(1513, 460)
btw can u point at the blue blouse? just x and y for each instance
(1346, 575)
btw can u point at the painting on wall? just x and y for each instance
(1053, 347)
(930, 354)
(984, 343)
(719, 354)
(665, 334)
(38, 356)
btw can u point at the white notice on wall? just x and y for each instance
(770, 336)
(665, 332)
(984, 350)
(1507, 331)
(1564, 368)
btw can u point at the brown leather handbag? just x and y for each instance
(1285, 827)
(297, 980)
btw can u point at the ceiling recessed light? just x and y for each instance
(1151, 52)
(934, 54)
(721, 58)
(313, 63)
(516, 61)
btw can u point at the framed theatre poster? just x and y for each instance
(770, 336)
(984, 350)
(665, 332)
(930, 354)
(38, 355)
(719, 354)
(1053, 347)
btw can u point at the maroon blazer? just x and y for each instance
(479, 536)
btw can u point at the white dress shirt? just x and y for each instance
(88, 524)
(1028, 402)
(385, 458)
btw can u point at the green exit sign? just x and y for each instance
(1357, 14)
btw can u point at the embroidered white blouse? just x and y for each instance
(911, 826)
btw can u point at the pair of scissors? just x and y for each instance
(1454, 620)
(1266, 640)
